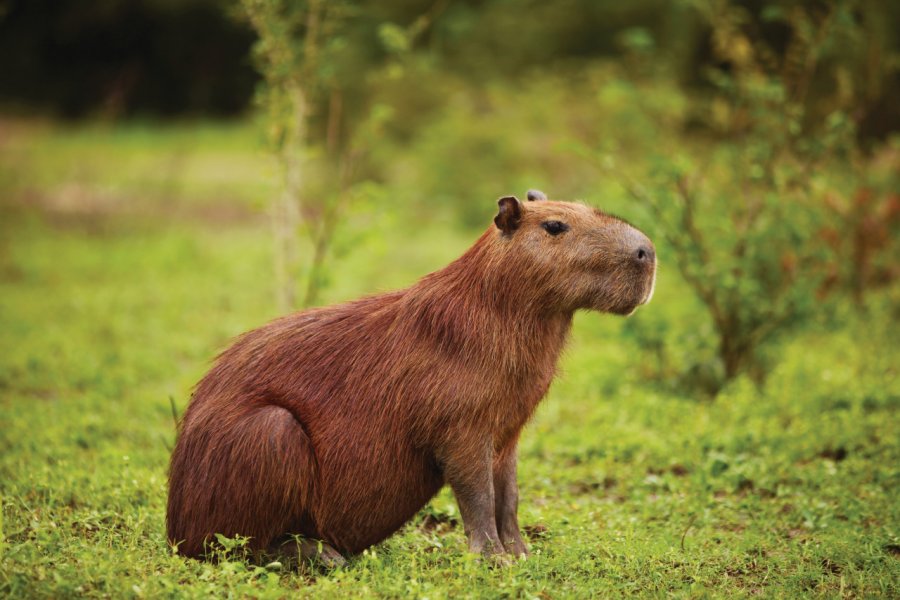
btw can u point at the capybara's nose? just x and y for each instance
(645, 255)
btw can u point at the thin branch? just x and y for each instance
(174, 411)
(311, 39)
(686, 529)
(335, 114)
(426, 20)
(688, 198)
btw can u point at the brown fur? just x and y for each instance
(340, 423)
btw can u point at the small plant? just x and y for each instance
(226, 549)
(319, 141)
(321, 119)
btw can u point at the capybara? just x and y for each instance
(338, 424)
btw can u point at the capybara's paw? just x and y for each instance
(315, 551)
(330, 558)
(321, 553)
(482, 544)
(515, 546)
(491, 550)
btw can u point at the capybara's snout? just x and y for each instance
(639, 249)
(639, 258)
(645, 256)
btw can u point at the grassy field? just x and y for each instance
(129, 257)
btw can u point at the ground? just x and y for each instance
(120, 281)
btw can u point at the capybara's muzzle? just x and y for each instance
(642, 255)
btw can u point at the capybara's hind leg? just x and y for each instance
(308, 550)
(247, 474)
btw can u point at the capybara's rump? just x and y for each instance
(248, 473)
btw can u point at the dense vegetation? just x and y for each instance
(736, 437)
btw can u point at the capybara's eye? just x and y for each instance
(554, 227)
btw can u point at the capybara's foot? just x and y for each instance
(314, 551)
(500, 554)
(515, 545)
(490, 548)
(321, 553)
(497, 558)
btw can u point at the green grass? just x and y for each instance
(626, 489)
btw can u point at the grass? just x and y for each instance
(110, 312)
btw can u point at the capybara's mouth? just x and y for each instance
(626, 310)
(647, 287)
(651, 288)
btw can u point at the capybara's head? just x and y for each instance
(575, 256)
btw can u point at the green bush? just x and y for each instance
(743, 198)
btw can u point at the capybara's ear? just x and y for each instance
(536, 195)
(507, 220)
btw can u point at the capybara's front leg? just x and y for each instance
(468, 470)
(506, 500)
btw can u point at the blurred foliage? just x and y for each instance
(751, 219)
(127, 57)
(121, 58)
(318, 119)
(750, 139)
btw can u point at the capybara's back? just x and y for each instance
(339, 423)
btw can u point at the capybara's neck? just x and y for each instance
(482, 306)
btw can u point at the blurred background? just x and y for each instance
(755, 141)
(173, 173)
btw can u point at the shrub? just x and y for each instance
(745, 214)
